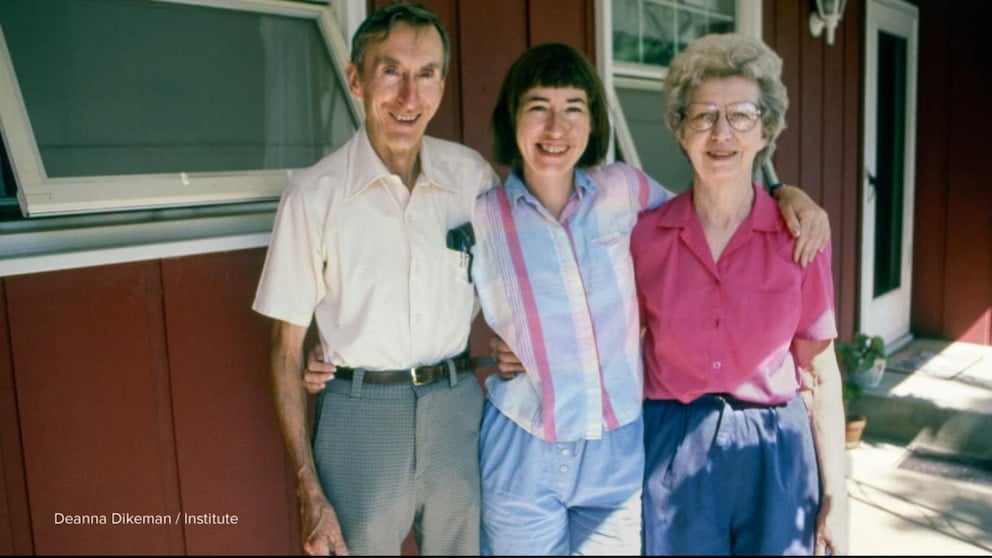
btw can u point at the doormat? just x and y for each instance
(939, 365)
(948, 465)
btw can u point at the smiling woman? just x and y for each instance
(731, 322)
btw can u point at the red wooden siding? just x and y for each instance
(89, 367)
(932, 174)
(563, 21)
(15, 526)
(143, 389)
(968, 313)
(952, 276)
(447, 123)
(489, 43)
(820, 147)
(844, 208)
(228, 445)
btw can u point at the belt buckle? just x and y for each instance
(416, 380)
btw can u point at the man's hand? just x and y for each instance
(807, 221)
(317, 372)
(507, 363)
(320, 528)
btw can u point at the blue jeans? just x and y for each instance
(560, 498)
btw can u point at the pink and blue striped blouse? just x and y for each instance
(561, 294)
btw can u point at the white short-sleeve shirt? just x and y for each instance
(354, 249)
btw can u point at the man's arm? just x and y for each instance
(321, 533)
(806, 220)
(826, 410)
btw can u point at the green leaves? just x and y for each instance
(855, 357)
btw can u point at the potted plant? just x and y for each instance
(863, 359)
(862, 362)
(856, 420)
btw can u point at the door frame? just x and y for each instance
(888, 315)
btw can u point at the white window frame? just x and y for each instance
(748, 21)
(350, 14)
(41, 195)
(85, 240)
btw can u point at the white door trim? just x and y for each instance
(888, 314)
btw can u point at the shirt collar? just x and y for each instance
(516, 189)
(764, 216)
(366, 168)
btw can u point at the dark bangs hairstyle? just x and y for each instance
(549, 65)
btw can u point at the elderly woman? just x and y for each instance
(736, 462)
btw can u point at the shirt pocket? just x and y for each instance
(457, 264)
(612, 239)
(610, 260)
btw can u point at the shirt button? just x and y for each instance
(717, 365)
(565, 451)
(563, 468)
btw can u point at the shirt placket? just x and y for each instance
(592, 388)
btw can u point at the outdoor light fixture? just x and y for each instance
(827, 15)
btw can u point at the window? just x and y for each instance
(642, 105)
(110, 105)
(638, 40)
(651, 32)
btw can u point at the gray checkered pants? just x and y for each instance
(392, 456)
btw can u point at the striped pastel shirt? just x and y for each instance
(560, 292)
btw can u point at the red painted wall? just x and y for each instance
(952, 273)
(141, 389)
(821, 145)
(228, 446)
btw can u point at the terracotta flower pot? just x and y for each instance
(855, 429)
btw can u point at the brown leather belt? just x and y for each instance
(419, 376)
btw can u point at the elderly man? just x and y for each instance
(359, 245)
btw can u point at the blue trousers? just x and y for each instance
(726, 479)
(560, 498)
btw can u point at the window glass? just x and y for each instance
(660, 155)
(135, 87)
(9, 211)
(651, 32)
(643, 33)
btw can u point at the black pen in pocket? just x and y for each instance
(462, 238)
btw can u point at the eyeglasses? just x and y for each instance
(741, 116)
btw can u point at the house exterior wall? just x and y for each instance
(821, 145)
(952, 250)
(142, 388)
